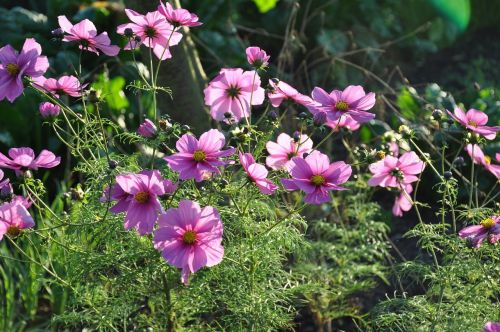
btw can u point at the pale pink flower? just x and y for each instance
(67, 84)
(232, 93)
(22, 159)
(15, 66)
(153, 30)
(190, 237)
(475, 121)
(14, 217)
(316, 177)
(198, 159)
(257, 173)
(147, 129)
(282, 91)
(85, 33)
(402, 203)
(489, 229)
(478, 157)
(137, 194)
(394, 172)
(49, 110)
(257, 57)
(178, 17)
(352, 101)
(285, 148)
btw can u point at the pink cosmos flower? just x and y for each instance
(478, 157)
(257, 173)
(14, 217)
(285, 148)
(316, 177)
(394, 172)
(22, 159)
(190, 237)
(491, 327)
(49, 110)
(147, 129)
(137, 194)
(85, 33)
(14, 66)
(5, 186)
(196, 158)
(229, 94)
(402, 203)
(282, 91)
(489, 229)
(475, 121)
(178, 17)
(68, 84)
(257, 57)
(153, 30)
(345, 121)
(352, 101)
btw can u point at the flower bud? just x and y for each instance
(185, 128)
(49, 110)
(164, 124)
(147, 129)
(272, 115)
(448, 175)
(112, 164)
(319, 118)
(257, 57)
(296, 136)
(58, 33)
(437, 115)
(137, 39)
(128, 32)
(302, 115)
(405, 131)
(459, 161)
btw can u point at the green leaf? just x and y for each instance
(407, 104)
(112, 91)
(365, 134)
(456, 11)
(265, 5)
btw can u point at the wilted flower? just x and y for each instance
(257, 173)
(178, 17)
(22, 159)
(316, 177)
(394, 172)
(196, 158)
(478, 157)
(233, 91)
(49, 110)
(147, 129)
(153, 31)
(85, 33)
(14, 217)
(257, 57)
(402, 203)
(489, 229)
(285, 148)
(475, 121)
(189, 237)
(14, 66)
(282, 91)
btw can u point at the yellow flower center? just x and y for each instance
(487, 159)
(473, 123)
(317, 180)
(12, 69)
(13, 231)
(341, 106)
(189, 237)
(488, 223)
(199, 155)
(142, 197)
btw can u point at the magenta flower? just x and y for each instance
(153, 30)
(232, 93)
(14, 66)
(345, 121)
(147, 129)
(22, 159)
(316, 177)
(14, 217)
(285, 148)
(478, 157)
(68, 84)
(137, 195)
(491, 327)
(190, 237)
(85, 33)
(283, 91)
(475, 121)
(257, 173)
(178, 17)
(352, 101)
(198, 158)
(49, 110)
(489, 229)
(402, 203)
(257, 57)
(394, 172)
(4, 184)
